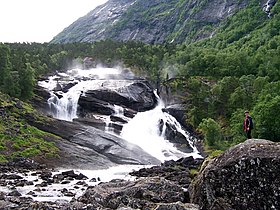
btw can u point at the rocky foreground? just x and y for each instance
(244, 177)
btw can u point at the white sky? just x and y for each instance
(40, 20)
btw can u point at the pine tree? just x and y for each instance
(27, 81)
(8, 79)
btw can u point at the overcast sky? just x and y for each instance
(40, 20)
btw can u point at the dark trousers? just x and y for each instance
(248, 134)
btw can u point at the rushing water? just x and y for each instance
(143, 130)
(54, 192)
(64, 105)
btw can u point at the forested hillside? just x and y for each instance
(215, 78)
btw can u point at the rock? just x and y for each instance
(45, 175)
(25, 164)
(136, 95)
(88, 103)
(153, 22)
(19, 104)
(177, 138)
(177, 206)
(58, 87)
(137, 194)
(246, 176)
(39, 101)
(10, 176)
(178, 112)
(175, 171)
(2, 195)
(6, 205)
(117, 119)
(69, 173)
(14, 193)
(91, 121)
(81, 177)
(268, 6)
(67, 86)
(90, 148)
(89, 62)
(20, 165)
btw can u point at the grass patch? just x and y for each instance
(3, 159)
(193, 173)
(17, 137)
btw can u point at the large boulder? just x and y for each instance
(136, 95)
(244, 177)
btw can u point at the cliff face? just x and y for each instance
(153, 22)
(96, 24)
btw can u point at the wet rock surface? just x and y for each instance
(244, 177)
(88, 147)
(146, 192)
(112, 97)
(136, 95)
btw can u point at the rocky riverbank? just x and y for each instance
(243, 177)
(156, 186)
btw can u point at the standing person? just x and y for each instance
(248, 125)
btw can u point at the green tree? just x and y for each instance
(27, 81)
(212, 132)
(198, 98)
(221, 94)
(242, 97)
(11, 84)
(5, 65)
(266, 118)
(236, 126)
(8, 79)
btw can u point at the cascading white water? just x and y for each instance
(143, 130)
(118, 112)
(65, 106)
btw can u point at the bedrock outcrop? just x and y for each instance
(244, 177)
(86, 147)
(136, 95)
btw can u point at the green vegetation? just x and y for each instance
(17, 137)
(216, 78)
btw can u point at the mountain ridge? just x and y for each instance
(154, 22)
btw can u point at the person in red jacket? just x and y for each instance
(248, 125)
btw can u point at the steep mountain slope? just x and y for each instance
(153, 22)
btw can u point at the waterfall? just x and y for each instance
(119, 111)
(64, 106)
(143, 130)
